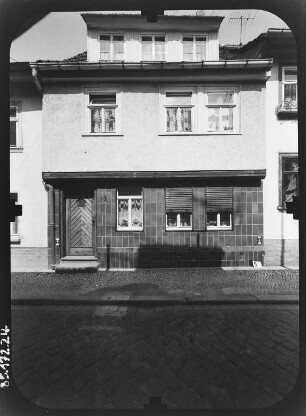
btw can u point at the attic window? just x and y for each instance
(194, 48)
(111, 47)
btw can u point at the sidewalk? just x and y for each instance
(163, 286)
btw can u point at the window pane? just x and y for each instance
(13, 112)
(172, 219)
(13, 141)
(290, 91)
(290, 164)
(185, 219)
(227, 119)
(200, 39)
(118, 50)
(14, 226)
(147, 51)
(159, 39)
(105, 47)
(146, 38)
(225, 219)
(185, 119)
(200, 51)
(213, 119)
(160, 51)
(118, 38)
(172, 119)
(96, 120)
(178, 98)
(188, 49)
(103, 99)
(137, 213)
(220, 98)
(109, 120)
(290, 75)
(105, 38)
(289, 186)
(130, 190)
(123, 212)
(212, 219)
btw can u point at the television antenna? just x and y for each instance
(243, 18)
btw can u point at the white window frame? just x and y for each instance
(292, 68)
(98, 90)
(178, 221)
(112, 56)
(218, 226)
(236, 109)
(15, 237)
(17, 119)
(153, 35)
(194, 36)
(129, 198)
(163, 109)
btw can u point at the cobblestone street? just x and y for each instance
(220, 356)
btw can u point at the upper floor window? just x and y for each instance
(103, 113)
(179, 108)
(194, 48)
(221, 106)
(129, 208)
(111, 47)
(14, 127)
(179, 208)
(288, 171)
(289, 88)
(153, 47)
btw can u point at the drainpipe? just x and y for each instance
(51, 224)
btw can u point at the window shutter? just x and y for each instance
(219, 199)
(179, 199)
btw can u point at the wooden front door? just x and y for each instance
(79, 226)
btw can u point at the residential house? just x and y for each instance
(153, 147)
(281, 234)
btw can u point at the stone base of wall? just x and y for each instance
(173, 257)
(281, 253)
(24, 259)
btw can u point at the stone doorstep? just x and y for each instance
(77, 264)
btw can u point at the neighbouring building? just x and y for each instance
(28, 233)
(156, 148)
(281, 234)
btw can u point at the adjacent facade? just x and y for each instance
(153, 147)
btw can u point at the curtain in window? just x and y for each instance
(96, 120)
(109, 120)
(123, 212)
(172, 119)
(185, 119)
(137, 212)
(219, 199)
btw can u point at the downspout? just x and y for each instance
(36, 79)
(51, 223)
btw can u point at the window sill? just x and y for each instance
(219, 229)
(16, 149)
(15, 239)
(102, 135)
(221, 133)
(179, 229)
(129, 229)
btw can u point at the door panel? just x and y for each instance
(79, 226)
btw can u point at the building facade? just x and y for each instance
(153, 147)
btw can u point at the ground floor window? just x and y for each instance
(129, 208)
(15, 238)
(219, 207)
(179, 208)
(288, 177)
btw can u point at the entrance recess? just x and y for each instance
(79, 225)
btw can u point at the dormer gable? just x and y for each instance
(130, 38)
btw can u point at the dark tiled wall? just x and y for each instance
(155, 247)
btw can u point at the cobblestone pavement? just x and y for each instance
(118, 357)
(187, 282)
